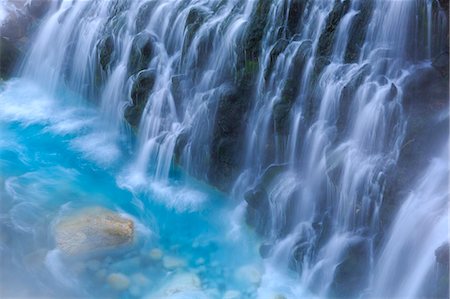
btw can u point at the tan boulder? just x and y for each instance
(93, 229)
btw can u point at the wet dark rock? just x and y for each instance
(9, 56)
(295, 14)
(142, 51)
(257, 198)
(299, 253)
(347, 94)
(277, 49)
(226, 144)
(38, 8)
(358, 31)
(322, 228)
(258, 209)
(142, 86)
(177, 87)
(271, 173)
(441, 63)
(442, 254)
(265, 249)
(259, 220)
(425, 101)
(444, 5)
(255, 31)
(143, 16)
(194, 20)
(16, 26)
(320, 63)
(326, 40)
(231, 114)
(15, 30)
(440, 287)
(180, 144)
(105, 49)
(351, 274)
(281, 115)
(281, 109)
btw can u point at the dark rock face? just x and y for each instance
(295, 14)
(143, 15)
(38, 8)
(441, 63)
(351, 274)
(142, 86)
(255, 32)
(326, 40)
(142, 51)
(348, 91)
(16, 30)
(258, 210)
(10, 55)
(444, 4)
(231, 114)
(442, 254)
(277, 49)
(105, 58)
(257, 198)
(194, 20)
(264, 250)
(441, 290)
(105, 49)
(232, 107)
(425, 97)
(281, 109)
(359, 30)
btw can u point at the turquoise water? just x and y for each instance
(56, 157)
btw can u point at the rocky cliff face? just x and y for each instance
(19, 20)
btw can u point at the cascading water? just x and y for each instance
(422, 224)
(305, 111)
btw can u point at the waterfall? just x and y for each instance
(297, 108)
(422, 224)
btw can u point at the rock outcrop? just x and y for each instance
(92, 230)
(21, 18)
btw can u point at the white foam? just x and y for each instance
(277, 284)
(57, 268)
(179, 198)
(97, 147)
(24, 102)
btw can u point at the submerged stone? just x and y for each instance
(91, 230)
(180, 283)
(171, 263)
(118, 281)
(250, 274)
(140, 279)
(156, 254)
(232, 294)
